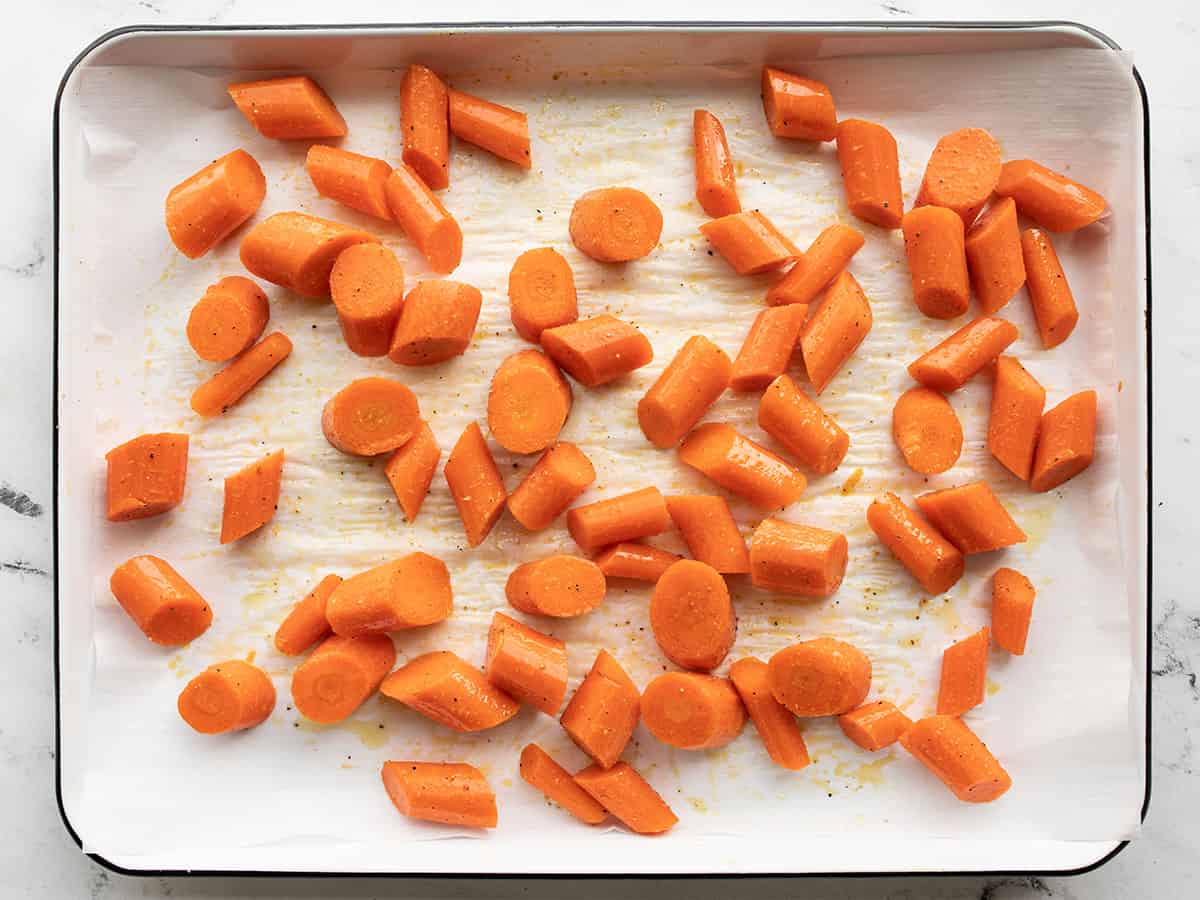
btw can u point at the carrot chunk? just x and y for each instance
(710, 532)
(817, 267)
(964, 675)
(630, 516)
(952, 363)
(953, 752)
(603, 712)
(870, 166)
(874, 725)
(227, 319)
(797, 559)
(229, 696)
(425, 125)
(692, 616)
(749, 242)
(297, 251)
(306, 623)
(1016, 416)
(560, 475)
(971, 517)
(935, 245)
(1012, 608)
(768, 347)
(351, 179)
(290, 108)
(628, 796)
(526, 664)
(1066, 442)
(367, 285)
(167, 609)
(449, 793)
(776, 726)
(598, 350)
(692, 711)
(738, 464)
(821, 677)
(616, 224)
(234, 381)
(839, 324)
(450, 691)
(424, 219)
(146, 476)
(716, 188)
(994, 260)
(931, 559)
(370, 416)
(1052, 200)
(339, 676)
(560, 586)
(640, 562)
(926, 431)
(436, 323)
(788, 415)
(528, 402)
(540, 770)
(410, 592)
(410, 470)
(687, 387)
(204, 209)
(501, 131)
(475, 484)
(251, 497)
(797, 107)
(541, 292)
(1053, 303)
(962, 172)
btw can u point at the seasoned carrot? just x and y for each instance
(821, 677)
(788, 414)
(1016, 416)
(776, 726)
(716, 188)
(817, 267)
(297, 251)
(204, 209)
(630, 516)
(1012, 608)
(749, 242)
(289, 108)
(370, 416)
(830, 337)
(541, 292)
(1050, 295)
(935, 245)
(768, 347)
(616, 224)
(528, 402)
(425, 125)
(540, 770)
(410, 470)
(146, 476)
(874, 726)
(1052, 200)
(306, 623)
(952, 751)
(961, 173)
(950, 364)
(227, 319)
(603, 712)
(692, 711)
(475, 484)
(447, 689)
(687, 387)
(994, 260)
(870, 167)
(167, 609)
(740, 465)
(529, 666)
(367, 285)
(629, 797)
(931, 559)
(234, 381)
(964, 674)
(797, 107)
(501, 131)
(436, 323)
(797, 559)
(410, 592)
(692, 616)
(560, 586)
(251, 497)
(349, 178)
(448, 793)
(631, 559)
(1066, 442)
(926, 431)
(339, 676)
(424, 219)
(229, 696)
(560, 475)
(710, 532)
(598, 350)
(971, 517)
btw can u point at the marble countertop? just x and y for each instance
(37, 856)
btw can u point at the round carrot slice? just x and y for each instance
(229, 696)
(227, 319)
(560, 586)
(528, 402)
(371, 416)
(962, 172)
(927, 431)
(821, 677)
(692, 711)
(615, 224)
(692, 616)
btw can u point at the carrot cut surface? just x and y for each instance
(167, 609)
(874, 726)
(499, 130)
(692, 616)
(541, 292)
(436, 323)
(371, 416)
(450, 691)
(738, 464)
(528, 402)
(526, 664)
(716, 188)
(1016, 416)
(1052, 200)
(953, 362)
(306, 623)
(926, 431)
(339, 676)
(448, 793)
(1053, 303)
(227, 319)
(629, 797)
(870, 167)
(797, 107)
(410, 470)
(710, 532)
(962, 172)
(351, 179)
(560, 586)
(935, 245)
(994, 259)
(805, 430)
(768, 347)
(797, 559)
(692, 711)
(818, 266)
(964, 675)
(203, 210)
(145, 476)
(428, 223)
(636, 561)
(367, 286)
(410, 592)
(776, 726)
(425, 125)
(229, 696)
(297, 251)
(560, 475)
(251, 497)
(1066, 442)
(687, 387)
(539, 770)
(616, 224)
(749, 242)
(1012, 608)
(971, 517)
(236, 380)
(475, 484)
(598, 350)
(630, 516)
(949, 749)
(821, 677)
(931, 559)
(604, 711)
(835, 330)
(290, 108)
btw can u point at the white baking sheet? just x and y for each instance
(1062, 719)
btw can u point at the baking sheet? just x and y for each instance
(1062, 719)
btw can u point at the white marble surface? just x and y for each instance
(38, 859)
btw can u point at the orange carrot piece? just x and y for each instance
(716, 188)
(297, 251)
(526, 664)
(935, 245)
(749, 242)
(1066, 442)
(817, 267)
(738, 464)
(616, 224)
(561, 586)
(598, 350)
(424, 219)
(604, 711)
(410, 592)
(436, 323)
(560, 475)
(768, 347)
(630, 516)
(1052, 200)
(821, 677)
(629, 797)
(227, 319)
(931, 559)
(640, 562)
(349, 178)
(475, 484)
(501, 131)
(425, 125)
(234, 381)
(691, 383)
(1016, 416)
(146, 476)
(788, 414)
(954, 753)
(540, 770)
(289, 108)
(167, 609)
(797, 559)
(528, 402)
(830, 337)
(367, 285)
(306, 623)
(797, 107)
(776, 726)
(926, 431)
(692, 616)
(994, 260)
(870, 166)
(449, 690)
(874, 726)
(410, 470)
(952, 363)
(251, 497)
(964, 674)
(541, 292)
(971, 517)
(339, 676)
(447, 793)
(710, 532)
(961, 173)
(204, 209)
(692, 711)
(1053, 303)
(229, 696)
(370, 416)
(1012, 608)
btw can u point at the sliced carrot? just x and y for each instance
(251, 497)
(449, 793)
(630, 516)
(445, 688)
(740, 465)
(821, 677)
(167, 609)
(749, 242)
(410, 470)
(961, 173)
(817, 267)
(640, 562)
(541, 292)
(1016, 416)
(306, 623)
(935, 245)
(1066, 442)
(424, 219)
(1053, 303)
(290, 108)
(716, 188)
(964, 674)
(797, 559)
(971, 517)
(870, 166)
(204, 209)
(874, 726)
(339, 676)
(629, 797)
(560, 475)
(692, 711)
(787, 414)
(603, 712)
(710, 532)
(501, 131)
(367, 285)
(830, 337)
(953, 752)
(229, 696)
(776, 726)
(146, 476)
(692, 616)
(768, 347)
(797, 107)
(227, 319)
(926, 431)
(436, 323)
(560, 586)
(691, 383)
(540, 770)
(1052, 200)
(616, 224)
(233, 382)
(410, 592)
(370, 416)
(425, 125)
(475, 484)
(528, 402)
(952, 363)
(931, 559)
(1012, 608)
(994, 260)
(526, 664)
(349, 178)
(598, 350)
(297, 251)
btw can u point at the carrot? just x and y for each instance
(526, 664)
(410, 470)
(1012, 608)
(340, 675)
(833, 333)
(1066, 442)
(821, 677)
(994, 260)
(931, 559)
(716, 188)
(787, 414)
(229, 696)
(1016, 416)
(749, 242)
(950, 364)
(146, 476)
(776, 727)
(740, 465)
(629, 797)
(691, 383)
(167, 609)
(692, 711)
(797, 107)
(1053, 303)
(640, 562)
(297, 251)
(424, 219)
(768, 347)
(540, 770)
(952, 751)
(436, 323)
(306, 624)
(874, 726)
(935, 245)
(692, 616)
(475, 484)
(964, 674)
(560, 586)
(710, 532)
(870, 167)
(528, 402)
(350, 178)
(448, 793)
(227, 319)
(289, 108)
(501, 131)
(541, 292)
(370, 416)
(971, 517)
(598, 350)
(797, 559)
(450, 691)
(367, 285)
(204, 209)
(410, 592)
(560, 475)
(616, 224)
(251, 497)
(1052, 200)
(603, 712)
(926, 431)
(630, 516)
(234, 381)
(425, 125)
(961, 173)
(817, 267)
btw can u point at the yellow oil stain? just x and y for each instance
(257, 599)
(852, 482)
(698, 804)
(372, 735)
(1036, 522)
(864, 773)
(943, 610)
(992, 687)
(250, 656)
